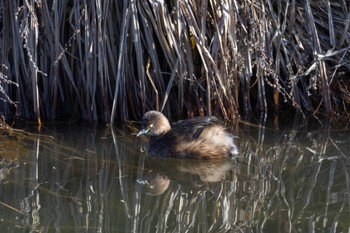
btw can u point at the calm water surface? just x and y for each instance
(88, 179)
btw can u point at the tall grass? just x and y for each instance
(114, 60)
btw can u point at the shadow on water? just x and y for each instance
(90, 180)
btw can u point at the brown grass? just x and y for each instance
(114, 60)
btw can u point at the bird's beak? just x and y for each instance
(143, 131)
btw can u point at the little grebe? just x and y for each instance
(198, 138)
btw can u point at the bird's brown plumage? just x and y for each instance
(198, 138)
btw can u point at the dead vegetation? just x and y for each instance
(114, 60)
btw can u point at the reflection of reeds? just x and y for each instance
(117, 59)
(310, 172)
(281, 182)
(87, 181)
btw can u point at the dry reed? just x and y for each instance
(114, 60)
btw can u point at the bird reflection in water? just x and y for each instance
(162, 173)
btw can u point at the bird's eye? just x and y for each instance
(151, 126)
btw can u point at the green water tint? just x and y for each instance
(90, 180)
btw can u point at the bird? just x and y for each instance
(194, 138)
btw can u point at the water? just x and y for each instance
(88, 179)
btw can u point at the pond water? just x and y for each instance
(93, 179)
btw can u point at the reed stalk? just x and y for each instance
(114, 60)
